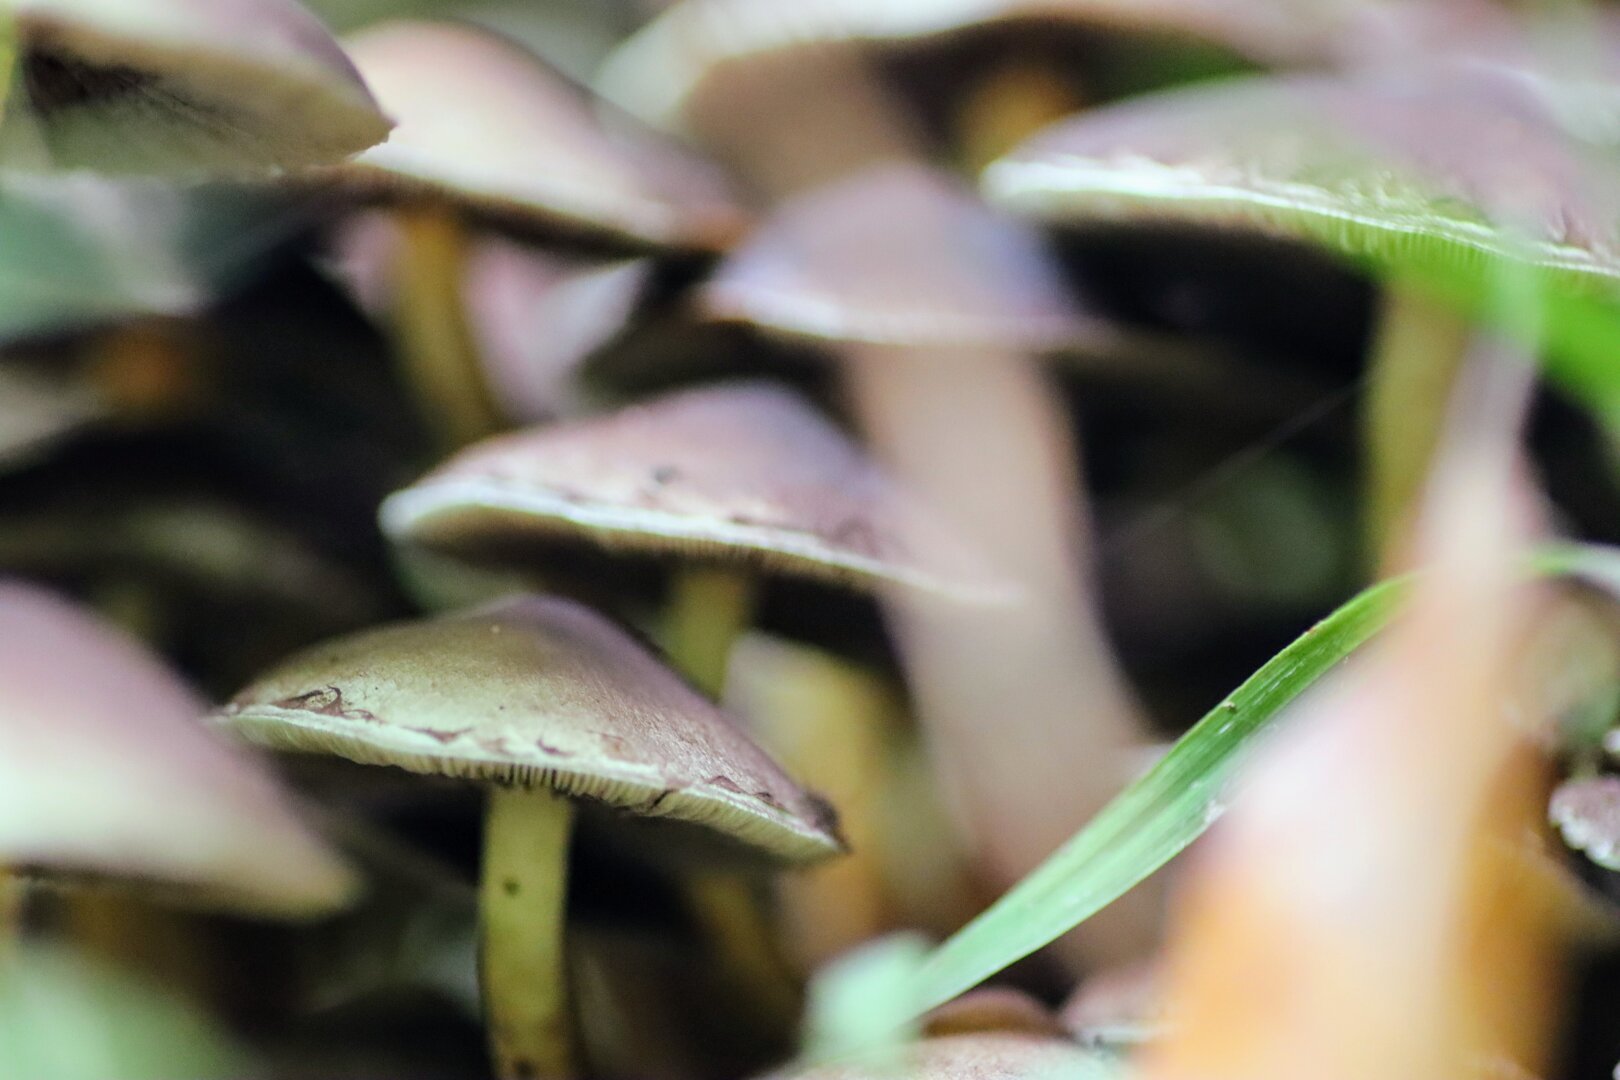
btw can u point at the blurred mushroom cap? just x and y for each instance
(106, 772)
(488, 127)
(898, 255)
(1449, 170)
(980, 1056)
(745, 472)
(181, 86)
(536, 692)
(1587, 813)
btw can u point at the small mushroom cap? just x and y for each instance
(181, 86)
(897, 255)
(745, 472)
(979, 1056)
(107, 773)
(538, 692)
(1449, 170)
(1587, 813)
(486, 125)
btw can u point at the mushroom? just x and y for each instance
(487, 134)
(548, 704)
(976, 1056)
(937, 309)
(1440, 182)
(1587, 812)
(800, 93)
(106, 774)
(721, 480)
(179, 86)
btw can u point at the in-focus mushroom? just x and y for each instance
(489, 135)
(180, 87)
(548, 704)
(1441, 182)
(107, 774)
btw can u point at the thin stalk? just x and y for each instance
(12, 895)
(522, 967)
(1007, 106)
(1417, 352)
(430, 321)
(709, 607)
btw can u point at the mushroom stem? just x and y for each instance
(12, 894)
(1008, 106)
(522, 966)
(708, 609)
(430, 321)
(1416, 356)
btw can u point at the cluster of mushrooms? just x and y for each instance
(657, 524)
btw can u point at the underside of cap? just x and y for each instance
(1450, 171)
(746, 473)
(184, 87)
(535, 692)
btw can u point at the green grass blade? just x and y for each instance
(1155, 818)
(1168, 808)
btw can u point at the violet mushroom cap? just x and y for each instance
(1449, 171)
(488, 128)
(736, 473)
(949, 273)
(180, 86)
(107, 774)
(542, 693)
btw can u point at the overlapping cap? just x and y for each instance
(899, 255)
(180, 86)
(488, 127)
(1449, 170)
(107, 773)
(744, 472)
(539, 692)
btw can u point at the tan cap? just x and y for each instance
(106, 772)
(744, 472)
(535, 692)
(1451, 169)
(181, 86)
(489, 127)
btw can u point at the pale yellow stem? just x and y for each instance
(522, 966)
(708, 609)
(435, 341)
(1003, 109)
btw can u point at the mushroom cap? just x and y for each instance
(743, 472)
(181, 86)
(898, 255)
(486, 125)
(1450, 170)
(106, 772)
(668, 70)
(1587, 813)
(978, 1056)
(537, 692)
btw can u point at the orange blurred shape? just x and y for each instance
(1372, 906)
